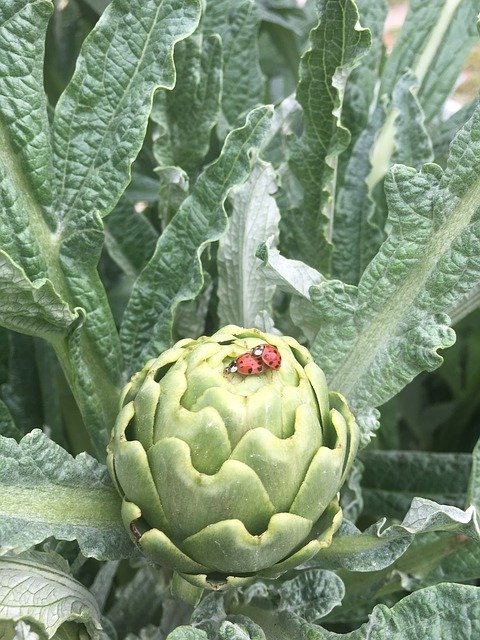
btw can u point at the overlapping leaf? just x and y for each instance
(174, 273)
(34, 307)
(378, 546)
(193, 106)
(430, 613)
(99, 126)
(382, 334)
(337, 44)
(237, 23)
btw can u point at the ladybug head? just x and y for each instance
(232, 368)
(258, 350)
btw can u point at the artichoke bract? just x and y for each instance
(229, 477)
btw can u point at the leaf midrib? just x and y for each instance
(60, 505)
(380, 330)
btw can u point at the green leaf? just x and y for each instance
(102, 585)
(312, 594)
(210, 612)
(446, 610)
(130, 239)
(391, 479)
(444, 132)
(174, 273)
(292, 276)
(361, 83)
(37, 587)
(356, 234)
(193, 106)
(389, 329)
(51, 381)
(351, 496)
(243, 291)
(393, 135)
(45, 492)
(187, 633)
(240, 628)
(402, 137)
(378, 547)
(30, 307)
(336, 45)
(413, 146)
(434, 42)
(96, 135)
(25, 156)
(100, 120)
(438, 557)
(284, 14)
(138, 602)
(237, 24)
(473, 493)
(465, 306)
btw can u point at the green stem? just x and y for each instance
(104, 385)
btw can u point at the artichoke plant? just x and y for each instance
(229, 477)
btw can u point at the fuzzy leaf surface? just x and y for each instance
(312, 594)
(99, 125)
(97, 131)
(25, 154)
(336, 45)
(174, 273)
(381, 334)
(46, 492)
(446, 610)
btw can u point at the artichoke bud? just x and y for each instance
(227, 477)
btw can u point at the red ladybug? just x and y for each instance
(246, 364)
(268, 354)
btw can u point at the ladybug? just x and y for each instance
(246, 364)
(268, 354)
